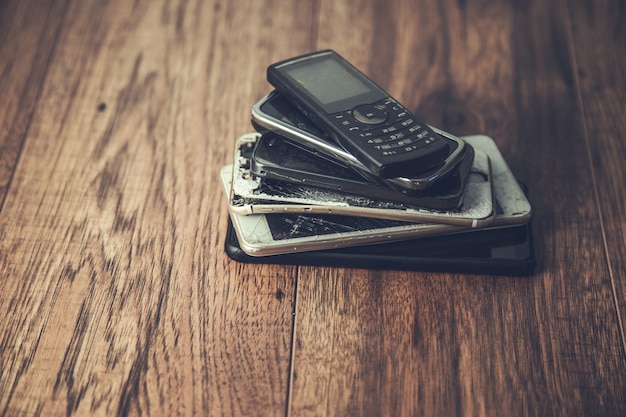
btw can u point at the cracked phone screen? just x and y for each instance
(290, 226)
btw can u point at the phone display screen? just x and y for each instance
(293, 226)
(328, 81)
(334, 85)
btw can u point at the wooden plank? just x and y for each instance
(27, 37)
(600, 55)
(397, 343)
(116, 294)
(577, 291)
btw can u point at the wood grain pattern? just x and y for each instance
(120, 298)
(466, 345)
(600, 55)
(115, 292)
(28, 33)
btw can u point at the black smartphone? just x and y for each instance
(502, 251)
(275, 157)
(359, 115)
(274, 113)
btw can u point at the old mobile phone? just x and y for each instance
(254, 195)
(503, 251)
(274, 112)
(359, 115)
(276, 158)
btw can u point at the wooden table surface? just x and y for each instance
(117, 297)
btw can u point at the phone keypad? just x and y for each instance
(400, 131)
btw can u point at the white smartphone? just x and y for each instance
(272, 234)
(254, 195)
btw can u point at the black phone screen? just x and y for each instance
(335, 85)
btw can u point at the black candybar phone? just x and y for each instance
(274, 113)
(277, 158)
(359, 115)
(504, 251)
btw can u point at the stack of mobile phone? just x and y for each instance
(341, 174)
